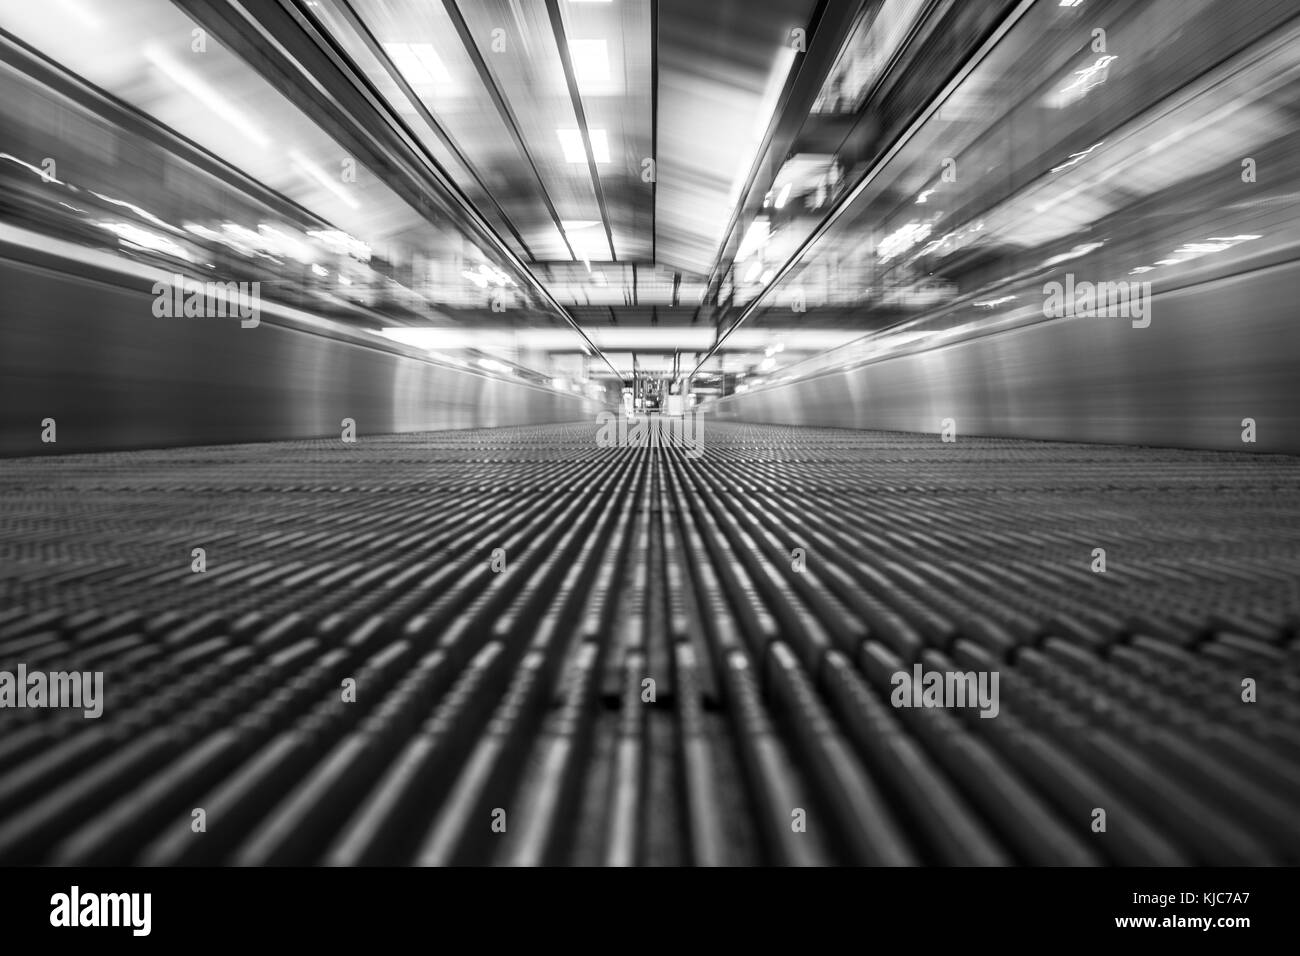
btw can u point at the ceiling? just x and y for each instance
(610, 144)
(726, 187)
(575, 173)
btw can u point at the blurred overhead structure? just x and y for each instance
(741, 193)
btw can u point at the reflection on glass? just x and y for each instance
(1108, 148)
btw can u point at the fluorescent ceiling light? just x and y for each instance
(590, 60)
(755, 239)
(585, 239)
(571, 143)
(206, 95)
(305, 165)
(763, 114)
(575, 152)
(419, 63)
(783, 196)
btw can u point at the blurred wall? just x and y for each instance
(91, 355)
(1214, 354)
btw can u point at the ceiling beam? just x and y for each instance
(379, 53)
(830, 26)
(850, 196)
(571, 78)
(507, 114)
(287, 45)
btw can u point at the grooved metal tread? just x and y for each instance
(502, 597)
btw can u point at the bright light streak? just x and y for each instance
(135, 236)
(756, 237)
(419, 63)
(1076, 157)
(575, 152)
(303, 164)
(590, 61)
(206, 95)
